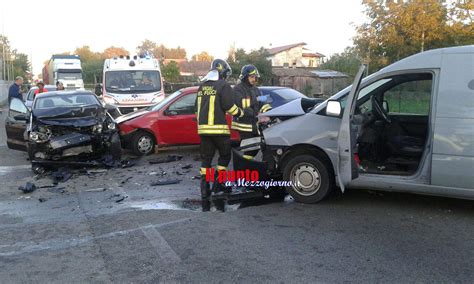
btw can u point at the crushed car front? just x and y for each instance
(71, 126)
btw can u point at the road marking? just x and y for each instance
(162, 247)
(20, 248)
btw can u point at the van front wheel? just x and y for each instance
(311, 179)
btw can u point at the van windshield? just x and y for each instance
(128, 81)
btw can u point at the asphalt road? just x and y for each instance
(156, 233)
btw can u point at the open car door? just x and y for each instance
(346, 165)
(16, 123)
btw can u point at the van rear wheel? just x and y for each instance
(311, 178)
(143, 143)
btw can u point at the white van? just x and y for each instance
(132, 82)
(408, 127)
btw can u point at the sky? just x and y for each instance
(42, 28)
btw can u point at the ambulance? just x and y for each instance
(132, 82)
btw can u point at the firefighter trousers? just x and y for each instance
(209, 145)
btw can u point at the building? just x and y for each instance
(294, 55)
(313, 83)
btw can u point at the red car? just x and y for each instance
(170, 122)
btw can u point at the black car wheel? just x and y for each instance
(311, 178)
(143, 143)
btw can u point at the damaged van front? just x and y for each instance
(406, 128)
(66, 127)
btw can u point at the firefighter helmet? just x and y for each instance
(222, 67)
(248, 70)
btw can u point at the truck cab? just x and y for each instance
(65, 69)
(132, 82)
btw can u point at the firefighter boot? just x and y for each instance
(205, 195)
(220, 187)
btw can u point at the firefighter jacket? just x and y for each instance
(246, 98)
(213, 101)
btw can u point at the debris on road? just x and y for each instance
(125, 180)
(118, 197)
(196, 177)
(42, 199)
(96, 171)
(28, 188)
(61, 175)
(98, 189)
(167, 159)
(165, 182)
(57, 189)
(128, 163)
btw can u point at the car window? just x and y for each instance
(72, 100)
(17, 105)
(184, 105)
(164, 102)
(411, 97)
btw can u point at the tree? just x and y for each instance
(161, 51)
(461, 23)
(21, 65)
(92, 71)
(87, 54)
(171, 72)
(346, 62)
(397, 29)
(146, 46)
(203, 57)
(238, 58)
(114, 52)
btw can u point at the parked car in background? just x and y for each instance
(30, 95)
(66, 126)
(277, 96)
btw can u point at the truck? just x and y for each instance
(131, 83)
(65, 69)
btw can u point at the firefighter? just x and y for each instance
(213, 101)
(248, 97)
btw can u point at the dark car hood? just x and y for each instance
(70, 116)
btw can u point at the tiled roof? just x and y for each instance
(275, 50)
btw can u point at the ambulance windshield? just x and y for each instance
(128, 81)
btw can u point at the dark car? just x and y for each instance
(66, 126)
(277, 96)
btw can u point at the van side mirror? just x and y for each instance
(333, 108)
(168, 87)
(98, 90)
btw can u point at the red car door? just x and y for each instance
(177, 124)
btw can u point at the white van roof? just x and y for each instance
(427, 59)
(125, 63)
